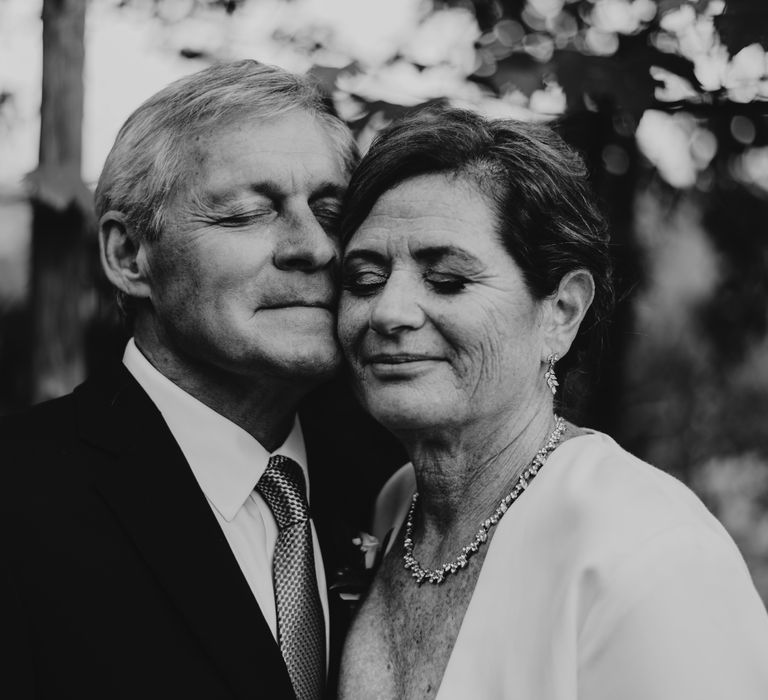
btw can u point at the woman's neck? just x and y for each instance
(463, 473)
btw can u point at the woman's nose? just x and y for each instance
(396, 307)
(305, 245)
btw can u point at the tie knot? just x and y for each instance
(282, 487)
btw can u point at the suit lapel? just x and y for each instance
(152, 491)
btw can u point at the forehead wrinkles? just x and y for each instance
(427, 236)
(247, 165)
(219, 179)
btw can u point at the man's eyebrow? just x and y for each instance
(230, 195)
(271, 190)
(328, 190)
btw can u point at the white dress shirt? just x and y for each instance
(227, 463)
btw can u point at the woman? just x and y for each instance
(531, 559)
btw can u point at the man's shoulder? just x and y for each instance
(33, 443)
(41, 441)
(36, 421)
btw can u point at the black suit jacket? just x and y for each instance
(116, 581)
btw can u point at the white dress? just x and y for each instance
(607, 580)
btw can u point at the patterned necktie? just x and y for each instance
(300, 624)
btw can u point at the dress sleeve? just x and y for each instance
(678, 619)
(393, 502)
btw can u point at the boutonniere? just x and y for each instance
(351, 581)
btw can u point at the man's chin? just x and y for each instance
(321, 368)
(314, 364)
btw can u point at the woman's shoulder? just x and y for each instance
(603, 493)
(593, 467)
(647, 555)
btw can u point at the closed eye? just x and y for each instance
(327, 214)
(364, 282)
(446, 284)
(244, 219)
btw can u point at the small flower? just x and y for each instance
(369, 546)
(352, 581)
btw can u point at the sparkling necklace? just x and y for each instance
(437, 576)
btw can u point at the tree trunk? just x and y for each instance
(61, 211)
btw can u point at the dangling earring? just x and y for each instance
(549, 375)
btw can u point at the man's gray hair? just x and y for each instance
(147, 163)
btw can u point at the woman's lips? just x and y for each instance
(398, 364)
(396, 358)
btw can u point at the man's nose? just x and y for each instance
(304, 244)
(396, 308)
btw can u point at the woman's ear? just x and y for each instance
(123, 256)
(568, 306)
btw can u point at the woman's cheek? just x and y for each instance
(351, 326)
(479, 359)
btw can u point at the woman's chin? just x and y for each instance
(405, 415)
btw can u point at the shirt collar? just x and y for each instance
(226, 460)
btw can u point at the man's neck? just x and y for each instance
(265, 407)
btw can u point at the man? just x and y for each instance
(155, 539)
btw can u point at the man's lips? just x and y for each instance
(327, 305)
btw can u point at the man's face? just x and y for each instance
(242, 276)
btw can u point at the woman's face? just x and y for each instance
(435, 319)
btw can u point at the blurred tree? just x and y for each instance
(60, 279)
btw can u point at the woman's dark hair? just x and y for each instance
(547, 217)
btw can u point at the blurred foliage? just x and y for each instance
(668, 102)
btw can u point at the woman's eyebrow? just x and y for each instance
(434, 254)
(364, 255)
(428, 255)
